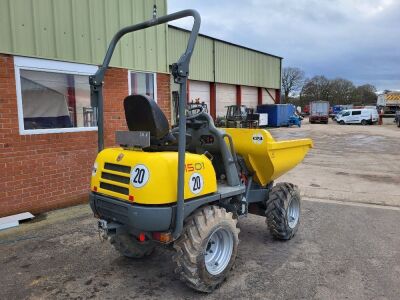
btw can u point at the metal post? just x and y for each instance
(181, 160)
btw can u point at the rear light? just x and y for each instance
(163, 237)
(95, 188)
(131, 198)
(142, 237)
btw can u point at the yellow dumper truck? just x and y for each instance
(188, 186)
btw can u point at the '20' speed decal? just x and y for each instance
(196, 183)
(139, 176)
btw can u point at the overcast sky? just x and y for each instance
(354, 39)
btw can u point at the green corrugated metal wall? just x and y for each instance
(237, 65)
(79, 30)
(201, 64)
(233, 65)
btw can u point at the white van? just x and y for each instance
(362, 116)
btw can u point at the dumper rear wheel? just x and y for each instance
(130, 247)
(207, 248)
(283, 210)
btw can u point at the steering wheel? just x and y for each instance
(191, 112)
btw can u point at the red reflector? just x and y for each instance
(95, 188)
(131, 198)
(142, 237)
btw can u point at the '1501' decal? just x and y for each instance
(194, 167)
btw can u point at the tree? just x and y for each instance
(316, 88)
(364, 94)
(292, 81)
(341, 91)
(335, 91)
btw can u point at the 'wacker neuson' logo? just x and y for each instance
(257, 138)
(120, 156)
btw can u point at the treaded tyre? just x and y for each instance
(129, 247)
(283, 210)
(207, 248)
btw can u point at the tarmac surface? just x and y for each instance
(347, 246)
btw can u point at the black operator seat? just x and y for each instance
(143, 114)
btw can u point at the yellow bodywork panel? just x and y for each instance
(267, 158)
(150, 177)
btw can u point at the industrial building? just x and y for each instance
(48, 49)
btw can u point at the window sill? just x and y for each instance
(56, 130)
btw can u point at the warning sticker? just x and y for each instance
(196, 183)
(139, 176)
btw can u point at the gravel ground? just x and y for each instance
(340, 252)
(349, 163)
(344, 249)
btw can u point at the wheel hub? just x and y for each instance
(218, 251)
(293, 212)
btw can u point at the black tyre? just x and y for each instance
(130, 247)
(364, 122)
(341, 122)
(398, 122)
(207, 248)
(283, 210)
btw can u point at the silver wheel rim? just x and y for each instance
(293, 212)
(218, 251)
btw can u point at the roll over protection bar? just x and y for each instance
(180, 72)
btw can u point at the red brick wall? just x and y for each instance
(163, 94)
(46, 171)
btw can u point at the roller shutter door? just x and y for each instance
(267, 99)
(225, 95)
(249, 96)
(200, 90)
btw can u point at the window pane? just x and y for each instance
(142, 84)
(55, 100)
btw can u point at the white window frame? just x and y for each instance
(36, 64)
(154, 82)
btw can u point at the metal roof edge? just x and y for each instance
(226, 42)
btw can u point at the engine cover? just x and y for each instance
(150, 177)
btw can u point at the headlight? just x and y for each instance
(94, 169)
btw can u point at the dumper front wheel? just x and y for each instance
(130, 247)
(207, 248)
(283, 210)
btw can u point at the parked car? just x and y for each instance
(338, 108)
(338, 115)
(362, 116)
